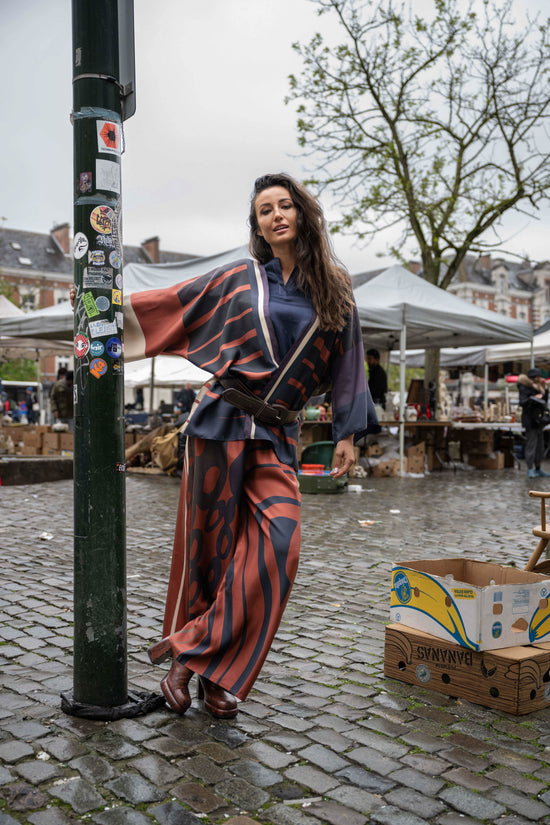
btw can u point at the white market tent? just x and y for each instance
(423, 315)
(521, 351)
(163, 371)
(432, 317)
(450, 357)
(11, 348)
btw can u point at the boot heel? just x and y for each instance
(160, 652)
(200, 689)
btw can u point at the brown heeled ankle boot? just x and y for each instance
(174, 687)
(217, 701)
(161, 651)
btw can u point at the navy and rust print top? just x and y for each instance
(227, 323)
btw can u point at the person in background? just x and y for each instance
(184, 401)
(533, 400)
(378, 380)
(30, 401)
(61, 398)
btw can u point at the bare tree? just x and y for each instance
(436, 126)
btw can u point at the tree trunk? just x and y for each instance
(431, 373)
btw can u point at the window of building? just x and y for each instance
(522, 313)
(28, 302)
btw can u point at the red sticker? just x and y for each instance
(110, 135)
(81, 346)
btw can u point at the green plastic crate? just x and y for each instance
(320, 452)
(322, 483)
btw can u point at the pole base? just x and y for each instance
(137, 704)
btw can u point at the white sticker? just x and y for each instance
(80, 245)
(108, 137)
(107, 175)
(119, 319)
(100, 328)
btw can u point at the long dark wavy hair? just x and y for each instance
(320, 275)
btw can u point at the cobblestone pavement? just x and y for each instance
(324, 737)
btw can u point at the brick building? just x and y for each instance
(517, 289)
(39, 270)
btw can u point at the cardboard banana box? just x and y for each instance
(479, 605)
(514, 679)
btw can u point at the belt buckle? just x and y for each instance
(278, 409)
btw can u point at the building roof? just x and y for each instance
(31, 251)
(23, 250)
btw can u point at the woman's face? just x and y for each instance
(276, 215)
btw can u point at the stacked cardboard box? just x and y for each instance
(416, 458)
(513, 679)
(471, 629)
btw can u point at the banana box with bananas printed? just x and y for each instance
(512, 679)
(478, 605)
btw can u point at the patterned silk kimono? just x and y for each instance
(238, 528)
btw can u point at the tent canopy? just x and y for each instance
(432, 316)
(169, 371)
(521, 352)
(13, 348)
(449, 357)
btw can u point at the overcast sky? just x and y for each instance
(211, 80)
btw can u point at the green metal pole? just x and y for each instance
(100, 645)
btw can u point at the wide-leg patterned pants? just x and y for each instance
(235, 558)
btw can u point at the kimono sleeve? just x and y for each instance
(207, 319)
(352, 406)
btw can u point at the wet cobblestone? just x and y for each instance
(324, 738)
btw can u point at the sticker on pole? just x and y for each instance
(114, 259)
(108, 137)
(85, 182)
(117, 297)
(80, 245)
(100, 277)
(90, 305)
(96, 257)
(113, 347)
(102, 219)
(101, 328)
(98, 367)
(102, 303)
(107, 175)
(81, 346)
(97, 348)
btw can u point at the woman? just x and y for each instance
(270, 330)
(533, 399)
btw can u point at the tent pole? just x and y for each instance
(39, 390)
(532, 355)
(152, 388)
(486, 387)
(402, 365)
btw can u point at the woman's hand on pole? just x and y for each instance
(72, 295)
(344, 457)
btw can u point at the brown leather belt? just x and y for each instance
(238, 394)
